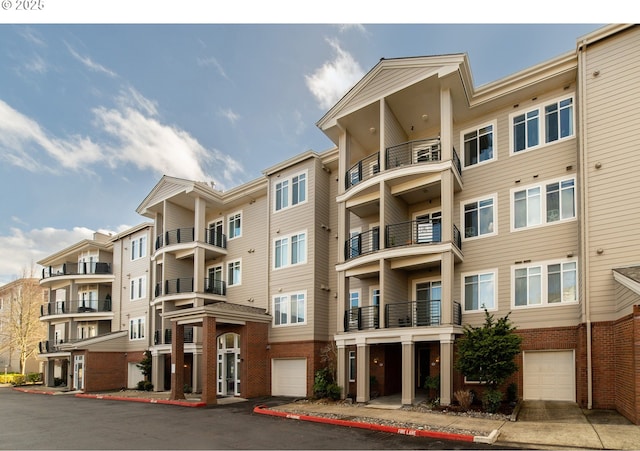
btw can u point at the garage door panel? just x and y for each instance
(289, 377)
(549, 375)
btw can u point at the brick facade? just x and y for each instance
(106, 371)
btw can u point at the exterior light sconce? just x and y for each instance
(425, 117)
(372, 130)
(600, 251)
(251, 251)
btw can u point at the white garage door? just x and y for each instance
(135, 375)
(549, 375)
(289, 377)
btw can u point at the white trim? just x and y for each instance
(226, 269)
(290, 192)
(494, 124)
(493, 271)
(290, 249)
(288, 312)
(463, 203)
(544, 289)
(226, 221)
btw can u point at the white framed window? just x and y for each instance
(234, 223)
(138, 288)
(291, 191)
(234, 274)
(375, 295)
(352, 366)
(546, 203)
(542, 124)
(479, 217)
(545, 283)
(290, 250)
(479, 291)
(138, 248)
(290, 309)
(86, 330)
(137, 328)
(478, 145)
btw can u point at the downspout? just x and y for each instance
(584, 195)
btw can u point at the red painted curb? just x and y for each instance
(145, 400)
(38, 392)
(377, 427)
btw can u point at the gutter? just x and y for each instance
(584, 198)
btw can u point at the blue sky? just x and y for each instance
(91, 116)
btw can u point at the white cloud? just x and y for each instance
(89, 63)
(331, 81)
(132, 98)
(343, 28)
(37, 64)
(32, 36)
(230, 115)
(22, 249)
(212, 62)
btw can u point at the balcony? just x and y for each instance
(45, 347)
(404, 314)
(186, 285)
(405, 154)
(187, 235)
(75, 307)
(160, 338)
(75, 269)
(401, 234)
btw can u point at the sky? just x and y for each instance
(93, 114)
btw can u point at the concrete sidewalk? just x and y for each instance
(540, 424)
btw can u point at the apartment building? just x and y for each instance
(19, 305)
(96, 311)
(242, 302)
(454, 198)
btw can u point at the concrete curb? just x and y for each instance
(38, 392)
(377, 427)
(144, 400)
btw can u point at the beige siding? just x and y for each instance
(393, 133)
(502, 251)
(612, 118)
(625, 299)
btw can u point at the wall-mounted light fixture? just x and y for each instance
(372, 130)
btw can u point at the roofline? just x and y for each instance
(290, 162)
(601, 34)
(130, 231)
(75, 248)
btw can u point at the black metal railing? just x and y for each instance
(362, 243)
(412, 152)
(188, 335)
(457, 313)
(363, 170)
(413, 314)
(457, 237)
(175, 286)
(421, 231)
(73, 307)
(215, 286)
(456, 162)
(74, 269)
(362, 318)
(56, 345)
(187, 235)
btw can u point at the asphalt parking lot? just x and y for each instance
(35, 421)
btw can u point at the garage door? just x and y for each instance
(289, 377)
(549, 375)
(134, 376)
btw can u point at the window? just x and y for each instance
(479, 291)
(545, 283)
(235, 226)
(138, 248)
(553, 121)
(478, 145)
(544, 204)
(375, 296)
(233, 273)
(289, 309)
(479, 218)
(290, 250)
(352, 366)
(291, 191)
(138, 288)
(136, 328)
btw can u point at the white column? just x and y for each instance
(342, 370)
(362, 372)
(408, 371)
(446, 369)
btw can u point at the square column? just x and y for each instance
(177, 361)
(342, 372)
(408, 371)
(209, 361)
(362, 362)
(446, 369)
(157, 371)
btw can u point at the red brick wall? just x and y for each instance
(624, 382)
(104, 371)
(603, 358)
(301, 349)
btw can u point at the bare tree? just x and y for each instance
(21, 329)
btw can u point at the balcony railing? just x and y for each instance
(56, 345)
(166, 338)
(421, 231)
(74, 269)
(362, 243)
(362, 318)
(187, 235)
(403, 314)
(74, 307)
(412, 152)
(363, 170)
(175, 286)
(215, 286)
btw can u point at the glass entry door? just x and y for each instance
(229, 365)
(78, 372)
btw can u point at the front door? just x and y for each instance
(428, 298)
(229, 365)
(78, 372)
